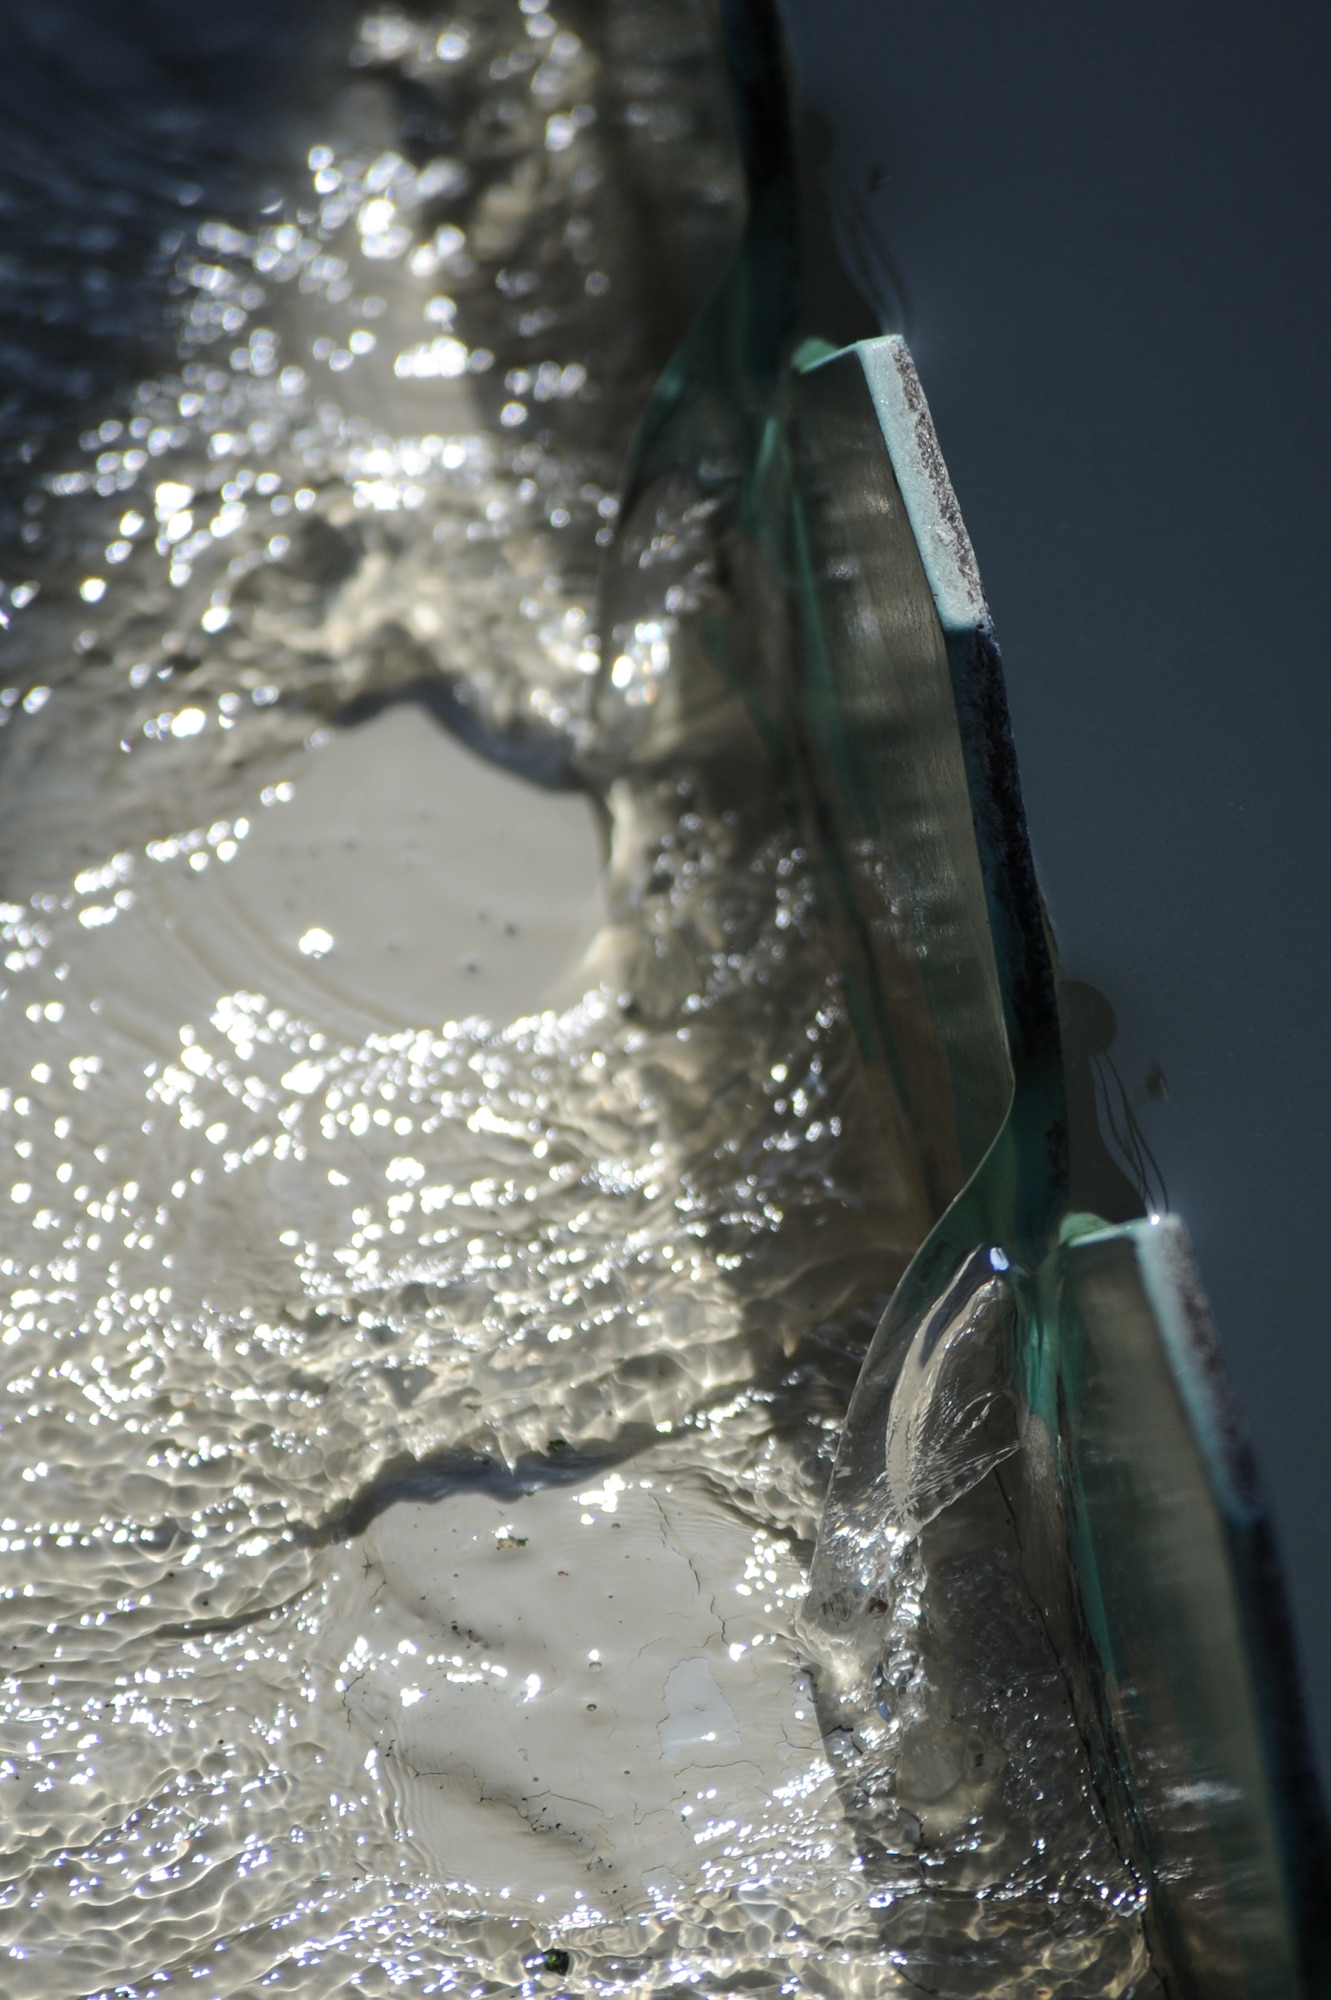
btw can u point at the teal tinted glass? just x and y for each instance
(1142, 1539)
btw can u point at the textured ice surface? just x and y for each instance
(585, 1700)
(435, 1272)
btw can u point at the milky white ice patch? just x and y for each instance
(580, 1701)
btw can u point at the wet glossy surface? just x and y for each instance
(411, 1231)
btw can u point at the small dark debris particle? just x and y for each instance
(556, 1961)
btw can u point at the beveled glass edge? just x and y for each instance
(931, 505)
(1287, 1800)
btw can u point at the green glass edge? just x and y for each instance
(728, 411)
(1238, 1901)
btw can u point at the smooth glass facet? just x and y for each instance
(1142, 1531)
(1096, 1425)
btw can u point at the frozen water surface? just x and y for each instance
(444, 1205)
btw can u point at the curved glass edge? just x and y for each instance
(880, 692)
(905, 713)
(1148, 1547)
(1171, 1612)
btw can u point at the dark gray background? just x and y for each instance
(1111, 230)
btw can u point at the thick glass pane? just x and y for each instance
(1095, 1413)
